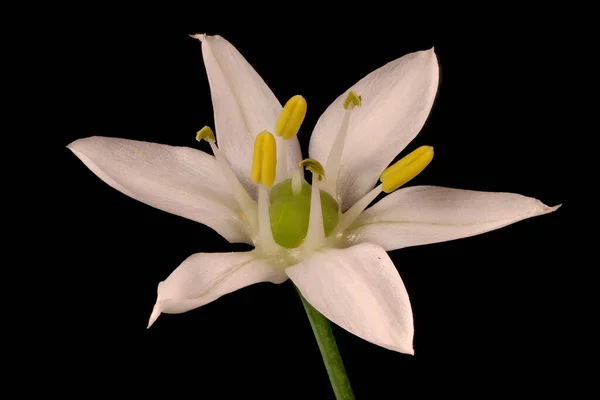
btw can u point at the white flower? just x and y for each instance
(346, 275)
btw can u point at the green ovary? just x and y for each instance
(290, 212)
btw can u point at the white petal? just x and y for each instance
(429, 214)
(244, 106)
(179, 180)
(360, 290)
(396, 100)
(204, 277)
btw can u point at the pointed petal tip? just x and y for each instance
(205, 37)
(398, 345)
(77, 142)
(544, 209)
(427, 54)
(404, 349)
(199, 36)
(154, 316)
(434, 56)
(71, 146)
(554, 208)
(430, 52)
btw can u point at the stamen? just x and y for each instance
(392, 178)
(406, 169)
(264, 162)
(352, 100)
(267, 243)
(315, 167)
(315, 237)
(256, 172)
(354, 212)
(291, 117)
(245, 202)
(282, 163)
(297, 181)
(205, 134)
(287, 126)
(335, 154)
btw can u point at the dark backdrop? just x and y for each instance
(489, 318)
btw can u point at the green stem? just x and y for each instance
(329, 351)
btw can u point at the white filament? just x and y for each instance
(247, 205)
(266, 242)
(315, 237)
(297, 179)
(335, 156)
(282, 170)
(354, 212)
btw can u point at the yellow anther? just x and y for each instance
(352, 100)
(256, 173)
(264, 162)
(406, 169)
(314, 166)
(291, 117)
(205, 134)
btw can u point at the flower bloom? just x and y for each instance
(321, 235)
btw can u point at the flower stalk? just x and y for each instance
(329, 351)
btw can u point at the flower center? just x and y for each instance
(286, 207)
(290, 211)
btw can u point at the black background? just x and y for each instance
(489, 317)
